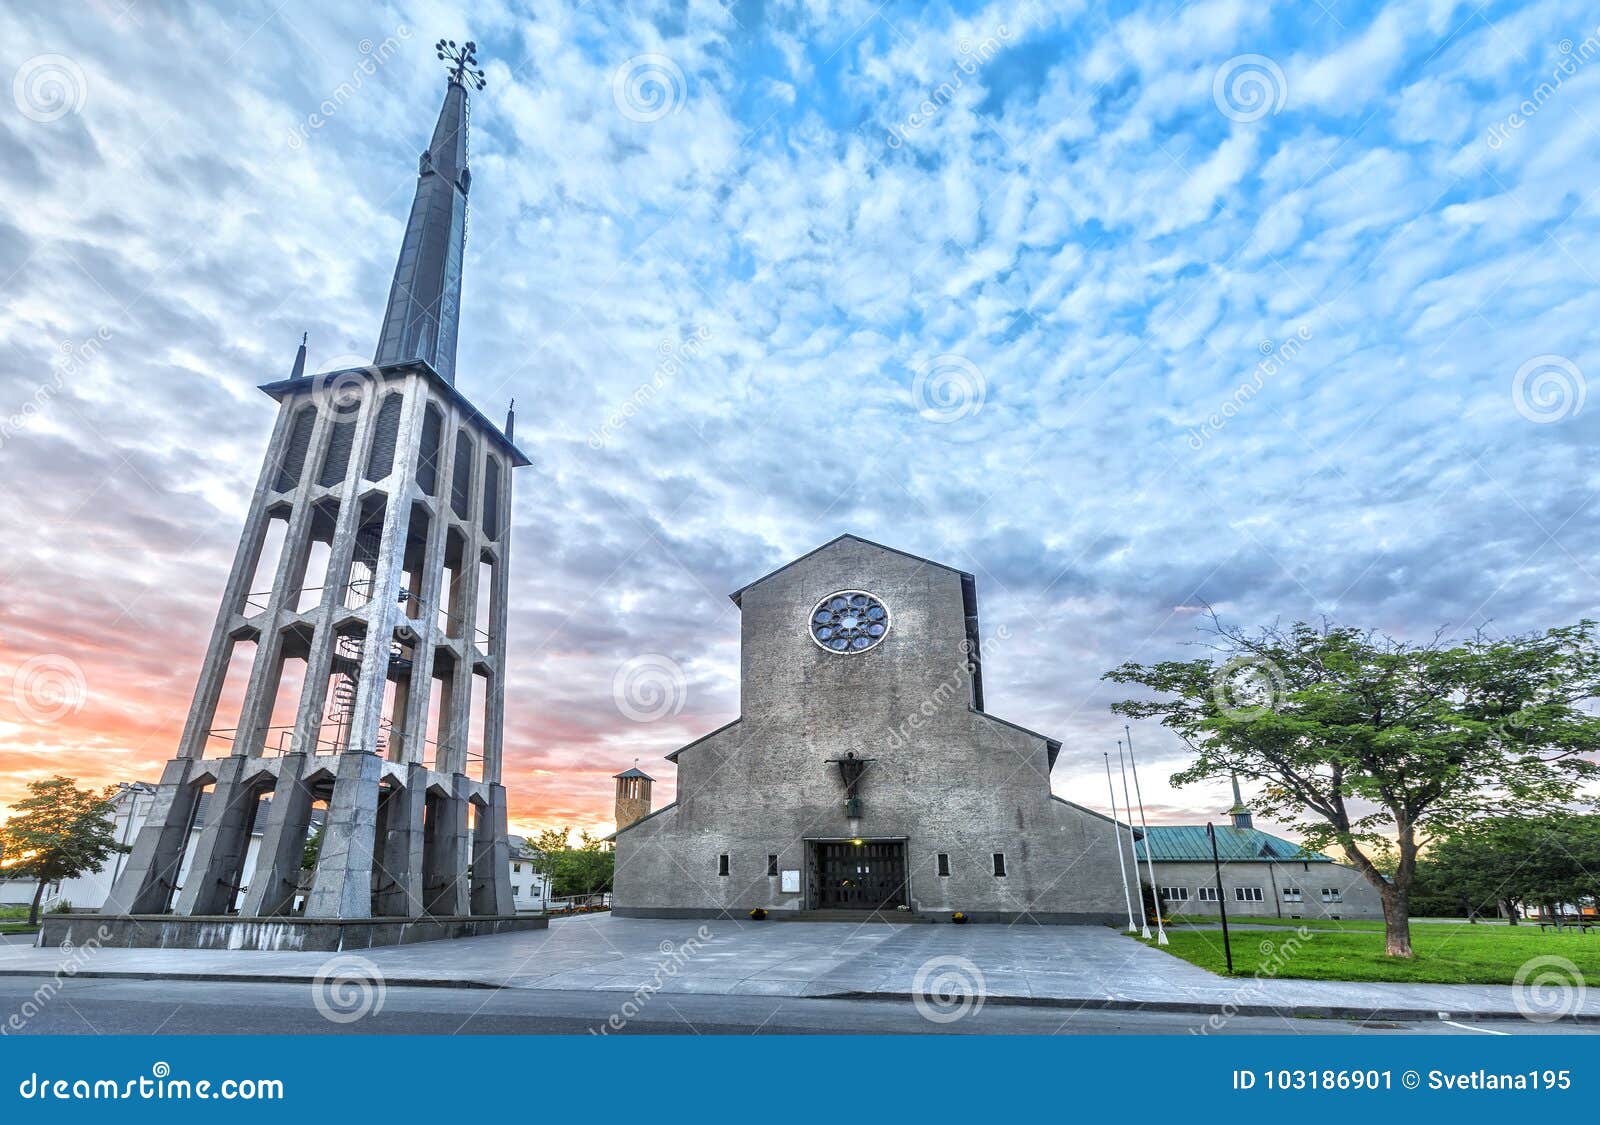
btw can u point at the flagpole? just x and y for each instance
(1116, 840)
(1133, 854)
(1149, 852)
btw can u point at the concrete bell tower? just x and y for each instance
(362, 633)
(633, 796)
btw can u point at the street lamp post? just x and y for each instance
(1222, 905)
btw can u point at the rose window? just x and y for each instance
(849, 621)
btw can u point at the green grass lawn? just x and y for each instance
(1460, 954)
(17, 928)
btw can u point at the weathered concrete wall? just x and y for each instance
(947, 778)
(276, 934)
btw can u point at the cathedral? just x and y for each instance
(863, 773)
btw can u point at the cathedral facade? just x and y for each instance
(863, 773)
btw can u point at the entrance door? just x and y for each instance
(866, 876)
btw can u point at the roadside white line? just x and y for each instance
(1469, 1027)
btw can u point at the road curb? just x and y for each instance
(1099, 1003)
(1199, 1008)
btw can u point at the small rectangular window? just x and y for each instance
(999, 863)
(1175, 894)
(1207, 894)
(722, 864)
(772, 864)
(1247, 894)
(944, 863)
(1292, 894)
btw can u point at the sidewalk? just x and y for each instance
(1061, 966)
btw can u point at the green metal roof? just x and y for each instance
(1234, 845)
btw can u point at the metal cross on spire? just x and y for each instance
(463, 61)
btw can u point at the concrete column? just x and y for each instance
(212, 883)
(491, 858)
(256, 711)
(145, 885)
(208, 688)
(444, 865)
(399, 867)
(283, 844)
(343, 884)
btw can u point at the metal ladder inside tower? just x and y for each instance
(347, 667)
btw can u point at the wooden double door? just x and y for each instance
(870, 875)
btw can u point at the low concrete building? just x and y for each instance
(863, 773)
(1263, 876)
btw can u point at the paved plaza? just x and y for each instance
(1061, 966)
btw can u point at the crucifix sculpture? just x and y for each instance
(851, 769)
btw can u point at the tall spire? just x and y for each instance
(1240, 812)
(425, 297)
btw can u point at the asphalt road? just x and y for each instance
(86, 1006)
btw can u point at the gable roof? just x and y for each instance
(1234, 845)
(673, 757)
(734, 597)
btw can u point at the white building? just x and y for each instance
(529, 889)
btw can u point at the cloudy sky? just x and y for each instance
(1285, 308)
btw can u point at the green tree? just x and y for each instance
(1364, 742)
(549, 845)
(586, 869)
(58, 832)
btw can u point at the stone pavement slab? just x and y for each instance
(1066, 966)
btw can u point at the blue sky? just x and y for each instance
(1284, 308)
